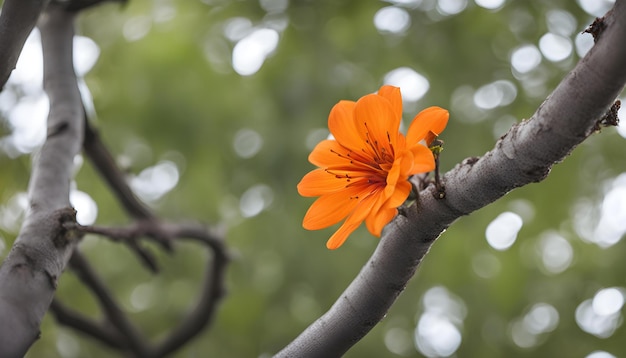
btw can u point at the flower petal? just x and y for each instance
(376, 223)
(384, 212)
(423, 159)
(320, 182)
(432, 119)
(392, 94)
(343, 127)
(377, 123)
(352, 222)
(330, 209)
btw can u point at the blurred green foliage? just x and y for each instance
(164, 84)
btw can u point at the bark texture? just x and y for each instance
(29, 274)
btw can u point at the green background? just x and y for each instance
(172, 94)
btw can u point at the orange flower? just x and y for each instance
(363, 173)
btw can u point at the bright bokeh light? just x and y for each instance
(555, 47)
(608, 301)
(603, 224)
(561, 22)
(255, 200)
(438, 331)
(247, 143)
(154, 182)
(525, 58)
(596, 8)
(251, 51)
(86, 53)
(502, 232)
(451, 7)
(600, 354)
(555, 252)
(413, 85)
(27, 120)
(496, 94)
(490, 4)
(583, 43)
(392, 19)
(539, 319)
(274, 6)
(601, 316)
(86, 207)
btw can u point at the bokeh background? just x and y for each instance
(212, 107)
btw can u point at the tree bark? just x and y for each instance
(522, 156)
(29, 274)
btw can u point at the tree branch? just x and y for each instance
(522, 156)
(29, 274)
(17, 19)
(120, 333)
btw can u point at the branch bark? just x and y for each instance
(522, 156)
(29, 274)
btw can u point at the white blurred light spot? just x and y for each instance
(142, 297)
(154, 182)
(602, 326)
(398, 341)
(28, 72)
(137, 28)
(436, 336)
(541, 318)
(12, 213)
(489, 4)
(274, 6)
(583, 43)
(496, 94)
(451, 7)
(437, 333)
(392, 19)
(255, 200)
(28, 122)
(608, 301)
(86, 53)
(525, 58)
(251, 51)
(556, 252)
(555, 47)
(86, 207)
(502, 231)
(600, 354)
(237, 28)
(413, 86)
(247, 143)
(596, 7)
(561, 22)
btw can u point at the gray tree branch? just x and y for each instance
(29, 274)
(522, 156)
